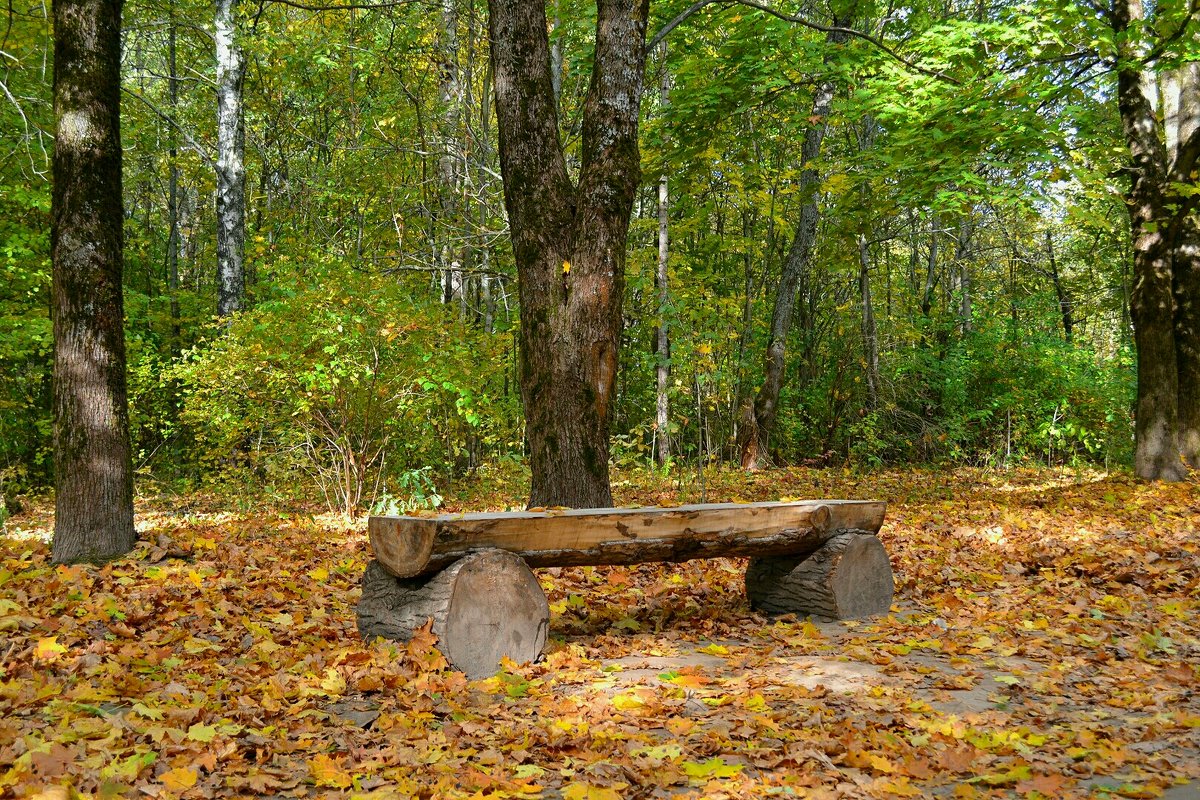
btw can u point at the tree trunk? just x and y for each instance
(1182, 112)
(485, 607)
(1064, 298)
(231, 168)
(450, 150)
(1187, 338)
(569, 243)
(662, 343)
(757, 434)
(1163, 260)
(173, 243)
(92, 458)
(930, 267)
(870, 337)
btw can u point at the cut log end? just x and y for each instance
(848, 578)
(402, 553)
(485, 607)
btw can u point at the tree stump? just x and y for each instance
(484, 607)
(847, 578)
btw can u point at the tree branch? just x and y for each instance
(347, 6)
(1161, 47)
(200, 150)
(816, 26)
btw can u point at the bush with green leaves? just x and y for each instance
(26, 340)
(349, 388)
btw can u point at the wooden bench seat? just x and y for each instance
(470, 573)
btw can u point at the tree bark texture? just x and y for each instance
(1166, 253)
(484, 607)
(757, 435)
(231, 167)
(173, 235)
(870, 335)
(662, 342)
(848, 578)
(568, 242)
(92, 459)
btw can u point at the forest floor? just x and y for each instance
(1044, 643)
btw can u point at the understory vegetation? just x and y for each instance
(966, 302)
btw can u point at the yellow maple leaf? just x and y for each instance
(584, 791)
(49, 649)
(334, 684)
(179, 779)
(628, 702)
(327, 772)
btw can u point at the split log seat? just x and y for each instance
(470, 573)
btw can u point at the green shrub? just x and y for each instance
(347, 387)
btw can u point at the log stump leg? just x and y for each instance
(484, 607)
(849, 577)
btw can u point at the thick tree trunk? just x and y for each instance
(662, 343)
(568, 242)
(484, 607)
(1186, 275)
(231, 167)
(1156, 222)
(92, 458)
(756, 436)
(1181, 109)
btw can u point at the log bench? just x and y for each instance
(470, 573)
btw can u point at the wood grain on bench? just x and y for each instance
(409, 546)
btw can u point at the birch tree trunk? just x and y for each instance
(757, 432)
(231, 168)
(93, 468)
(173, 236)
(662, 343)
(569, 242)
(450, 176)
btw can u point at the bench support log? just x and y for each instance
(847, 578)
(484, 607)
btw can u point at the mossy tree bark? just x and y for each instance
(92, 459)
(568, 240)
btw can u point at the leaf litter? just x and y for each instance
(1043, 644)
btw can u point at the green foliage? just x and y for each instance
(990, 400)
(25, 334)
(348, 385)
